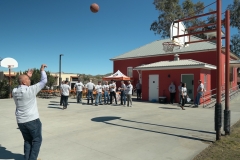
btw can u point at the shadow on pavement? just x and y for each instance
(169, 108)
(53, 104)
(170, 126)
(54, 107)
(104, 119)
(109, 118)
(55, 101)
(5, 154)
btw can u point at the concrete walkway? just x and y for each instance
(146, 131)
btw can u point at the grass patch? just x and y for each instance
(228, 148)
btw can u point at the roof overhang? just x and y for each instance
(235, 63)
(202, 66)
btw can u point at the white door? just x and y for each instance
(153, 87)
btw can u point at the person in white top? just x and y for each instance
(180, 92)
(172, 90)
(200, 91)
(90, 87)
(99, 90)
(65, 89)
(78, 87)
(129, 89)
(106, 94)
(123, 94)
(27, 112)
(61, 94)
(139, 90)
(112, 87)
(183, 95)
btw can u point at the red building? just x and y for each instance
(150, 64)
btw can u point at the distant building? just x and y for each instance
(156, 69)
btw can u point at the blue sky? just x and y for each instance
(38, 31)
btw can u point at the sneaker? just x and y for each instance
(96, 104)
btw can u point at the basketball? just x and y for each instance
(94, 8)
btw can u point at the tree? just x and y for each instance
(51, 80)
(235, 22)
(171, 10)
(234, 14)
(235, 44)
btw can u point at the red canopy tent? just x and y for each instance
(118, 76)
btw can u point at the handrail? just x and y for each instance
(209, 95)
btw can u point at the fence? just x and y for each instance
(209, 97)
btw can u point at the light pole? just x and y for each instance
(60, 78)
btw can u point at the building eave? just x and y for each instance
(201, 66)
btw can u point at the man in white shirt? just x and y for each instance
(112, 87)
(172, 90)
(180, 92)
(65, 89)
(123, 95)
(129, 89)
(27, 112)
(200, 90)
(90, 87)
(99, 89)
(78, 87)
(106, 94)
(139, 90)
(60, 93)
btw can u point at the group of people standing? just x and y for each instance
(107, 90)
(182, 90)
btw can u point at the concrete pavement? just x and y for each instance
(146, 131)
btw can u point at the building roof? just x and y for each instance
(235, 63)
(156, 48)
(175, 64)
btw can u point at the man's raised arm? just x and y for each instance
(43, 80)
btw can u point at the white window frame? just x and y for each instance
(205, 81)
(130, 74)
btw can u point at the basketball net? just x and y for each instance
(168, 46)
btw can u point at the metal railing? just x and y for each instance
(209, 97)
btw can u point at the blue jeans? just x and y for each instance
(32, 135)
(106, 97)
(98, 98)
(90, 94)
(197, 99)
(65, 101)
(123, 98)
(79, 96)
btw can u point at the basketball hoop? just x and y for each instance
(10, 66)
(168, 46)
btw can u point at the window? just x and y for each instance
(205, 81)
(233, 74)
(130, 72)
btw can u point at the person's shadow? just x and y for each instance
(5, 154)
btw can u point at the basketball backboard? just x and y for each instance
(178, 29)
(9, 63)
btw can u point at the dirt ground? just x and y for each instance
(228, 148)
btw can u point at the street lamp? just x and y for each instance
(60, 78)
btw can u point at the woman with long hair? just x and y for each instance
(183, 96)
